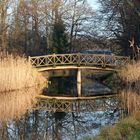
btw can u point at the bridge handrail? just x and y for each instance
(77, 54)
(78, 59)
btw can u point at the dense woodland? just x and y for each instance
(38, 27)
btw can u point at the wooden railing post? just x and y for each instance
(37, 61)
(54, 63)
(104, 62)
(79, 60)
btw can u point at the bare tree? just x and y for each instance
(77, 16)
(3, 23)
(31, 23)
(121, 21)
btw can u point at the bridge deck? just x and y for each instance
(41, 69)
(77, 98)
(76, 60)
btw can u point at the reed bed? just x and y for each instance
(14, 105)
(130, 76)
(17, 73)
(131, 101)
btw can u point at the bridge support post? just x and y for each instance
(79, 82)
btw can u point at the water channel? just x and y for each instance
(24, 118)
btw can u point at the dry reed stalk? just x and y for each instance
(15, 104)
(131, 75)
(131, 95)
(17, 73)
(131, 101)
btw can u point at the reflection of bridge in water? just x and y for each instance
(78, 104)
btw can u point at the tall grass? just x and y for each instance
(130, 76)
(17, 73)
(15, 104)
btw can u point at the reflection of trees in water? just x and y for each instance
(43, 125)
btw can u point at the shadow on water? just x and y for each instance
(64, 86)
(20, 122)
(67, 86)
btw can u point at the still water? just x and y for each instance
(23, 118)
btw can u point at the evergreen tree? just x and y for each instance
(59, 38)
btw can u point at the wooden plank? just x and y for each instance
(41, 69)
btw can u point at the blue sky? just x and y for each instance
(93, 3)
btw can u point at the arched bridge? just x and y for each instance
(78, 60)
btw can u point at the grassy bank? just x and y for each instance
(17, 73)
(126, 129)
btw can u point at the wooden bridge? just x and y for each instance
(78, 60)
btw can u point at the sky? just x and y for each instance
(93, 3)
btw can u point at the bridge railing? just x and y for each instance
(78, 59)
